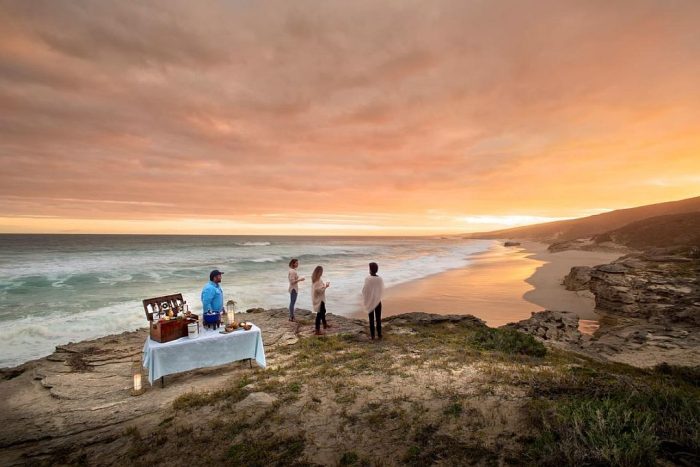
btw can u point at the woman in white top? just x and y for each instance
(372, 299)
(318, 299)
(294, 280)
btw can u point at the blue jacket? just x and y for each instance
(212, 297)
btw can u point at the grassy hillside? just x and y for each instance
(661, 231)
(446, 394)
(592, 225)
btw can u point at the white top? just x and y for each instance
(293, 280)
(372, 292)
(319, 294)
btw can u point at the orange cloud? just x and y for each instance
(358, 117)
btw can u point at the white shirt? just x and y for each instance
(318, 295)
(372, 292)
(293, 278)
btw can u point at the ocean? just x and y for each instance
(55, 289)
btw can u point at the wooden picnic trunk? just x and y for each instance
(166, 331)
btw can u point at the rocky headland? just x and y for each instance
(648, 299)
(649, 306)
(438, 389)
(661, 286)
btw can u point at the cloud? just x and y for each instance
(235, 109)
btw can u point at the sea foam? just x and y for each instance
(93, 287)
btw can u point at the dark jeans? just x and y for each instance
(377, 312)
(321, 316)
(292, 302)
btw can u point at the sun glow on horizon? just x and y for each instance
(277, 225)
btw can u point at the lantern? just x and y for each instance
(230, 310)
(137, 388)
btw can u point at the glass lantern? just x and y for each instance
(230, 310)
(136, 376)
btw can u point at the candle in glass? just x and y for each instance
(230, 310)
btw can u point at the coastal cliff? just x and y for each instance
(649, 307)
(661, 286)
(438, 389)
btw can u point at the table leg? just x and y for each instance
(162, 381)
(250, 362)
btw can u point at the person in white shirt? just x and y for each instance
(372, 299)
(294, 280)
(318, 299)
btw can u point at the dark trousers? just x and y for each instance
(376, 313)
(292, 302)
(321, 316)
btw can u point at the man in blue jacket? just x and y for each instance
(212, 295)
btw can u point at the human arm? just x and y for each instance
(318, 287)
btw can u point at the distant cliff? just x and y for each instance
(593, 225)
(657, 232)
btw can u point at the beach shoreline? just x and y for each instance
(501, 285)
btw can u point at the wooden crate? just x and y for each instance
(160, 329)
(166, 331)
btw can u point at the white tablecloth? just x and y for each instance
(211, 348)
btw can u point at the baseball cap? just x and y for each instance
(214, 273)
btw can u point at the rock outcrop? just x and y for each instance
(578, 278)
(661, 287)
(431, 318)
(640, 343)
(555, 326)
(511, 244)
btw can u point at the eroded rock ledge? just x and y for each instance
(553, 326)
(658, 286)
(649, 304)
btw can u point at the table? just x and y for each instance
(211, 348)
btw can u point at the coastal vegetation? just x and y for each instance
(450, 392)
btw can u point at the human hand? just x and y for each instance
(302, 279)
(328, 284)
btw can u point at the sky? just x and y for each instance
(356, 117)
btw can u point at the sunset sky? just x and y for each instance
(357, 117)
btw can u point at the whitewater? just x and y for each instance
(55, 289)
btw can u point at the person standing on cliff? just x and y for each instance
(372, 299)
(318, 299)
(212, 295)
(294, 280)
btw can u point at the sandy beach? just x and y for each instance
(502, 285)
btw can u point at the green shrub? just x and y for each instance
(295, 387)
(269, 451)
(605, 431)
(632, 427)
(507, 341)
(455, 409)
(687, 374)
(191, 400)
(349, 458)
